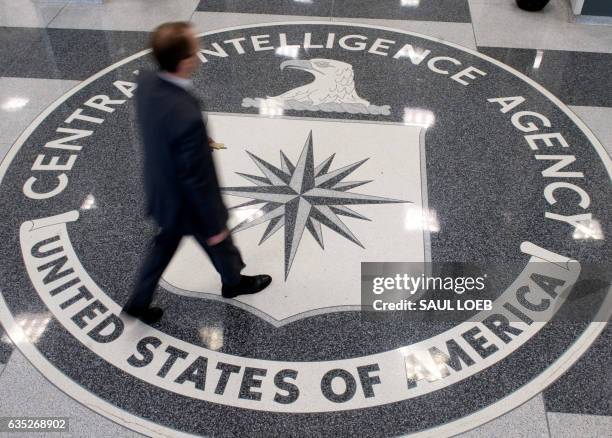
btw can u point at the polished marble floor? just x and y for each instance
(434, 132)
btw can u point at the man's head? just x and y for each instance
(175, 48)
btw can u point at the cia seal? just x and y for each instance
(346, 143)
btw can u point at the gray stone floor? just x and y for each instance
(493, 26)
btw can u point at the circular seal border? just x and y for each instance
(138, 424)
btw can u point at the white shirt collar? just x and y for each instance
(186, 84)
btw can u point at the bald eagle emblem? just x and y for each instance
(332, 90)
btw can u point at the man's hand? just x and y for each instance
(218, 238)
(214, 145)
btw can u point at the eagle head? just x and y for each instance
(318, 66)
(333, 83)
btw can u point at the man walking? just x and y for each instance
(182, 190)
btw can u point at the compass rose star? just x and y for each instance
(302, 196)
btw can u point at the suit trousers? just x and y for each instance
(224, 256)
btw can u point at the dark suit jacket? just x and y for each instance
(182, 189)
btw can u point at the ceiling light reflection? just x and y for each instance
(241, 214)
(288, 51)
(421, 364)
(89, 203)
(410, 3)
(416, 54)
(33, 325)
(14, 103)
(419, 117)
(418, 218)
(212, 337)
(538, 59)
(271, 107)
(588, 230)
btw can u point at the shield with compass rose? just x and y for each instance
(302, 196)
(309, 201)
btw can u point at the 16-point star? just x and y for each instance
(302, 196)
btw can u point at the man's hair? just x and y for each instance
(171, 44)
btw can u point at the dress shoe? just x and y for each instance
(148, 316)
(248, 285)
